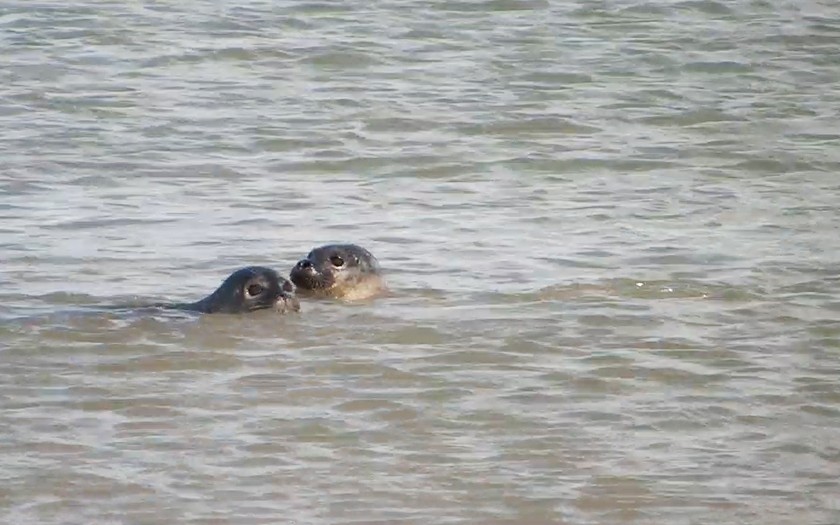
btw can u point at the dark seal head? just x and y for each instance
(249, 289)
(345, 271)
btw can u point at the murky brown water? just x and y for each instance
(611, 230)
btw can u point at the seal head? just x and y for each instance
(346, 271)
(249, 289)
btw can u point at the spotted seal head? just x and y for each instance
(249, 289)
(345, 271)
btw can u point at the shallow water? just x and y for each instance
(610, 231)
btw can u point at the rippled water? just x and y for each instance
(610, 230)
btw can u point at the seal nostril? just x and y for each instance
(306, 263)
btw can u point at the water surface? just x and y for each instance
(610, 230)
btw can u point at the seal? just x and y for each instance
(344, 271)
(246, 290)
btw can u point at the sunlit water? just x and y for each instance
(610, 231)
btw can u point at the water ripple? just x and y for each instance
(609, 232)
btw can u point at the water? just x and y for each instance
(610, 230)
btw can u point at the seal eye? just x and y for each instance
(337, 261)
(254, 289)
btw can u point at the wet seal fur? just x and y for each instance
(343, 271)
(246, 290)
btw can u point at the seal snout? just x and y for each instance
(307, 276)
(304, 269)
(288, 287)
(303, 264)
(287, 302)
(285, 299)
